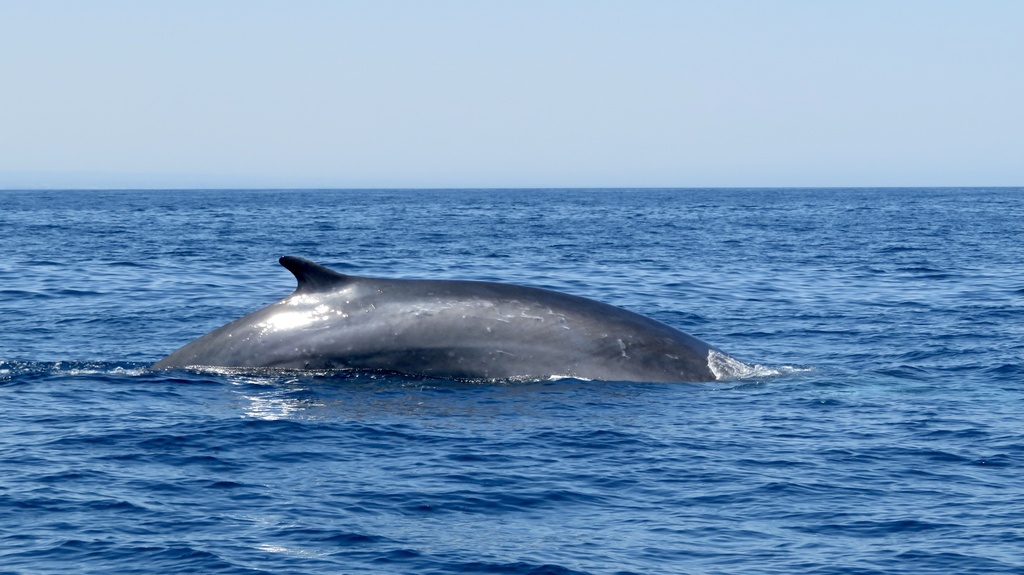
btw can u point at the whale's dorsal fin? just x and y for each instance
(312, 277)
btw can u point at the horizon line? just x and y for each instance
(483, 188)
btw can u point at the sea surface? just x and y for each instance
(880, 429)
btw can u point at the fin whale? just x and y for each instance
(448, 329)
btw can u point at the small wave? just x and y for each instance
(521, 567)
(22, 369)
(132, 372)
(518, 379)
(726, 367)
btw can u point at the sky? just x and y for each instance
(518, 93)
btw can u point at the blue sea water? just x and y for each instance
(882, 430)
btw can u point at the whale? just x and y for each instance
(449, 329)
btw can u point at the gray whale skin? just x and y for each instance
(448, 329)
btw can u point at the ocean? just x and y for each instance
(880, 429)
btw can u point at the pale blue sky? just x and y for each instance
(573, 93)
